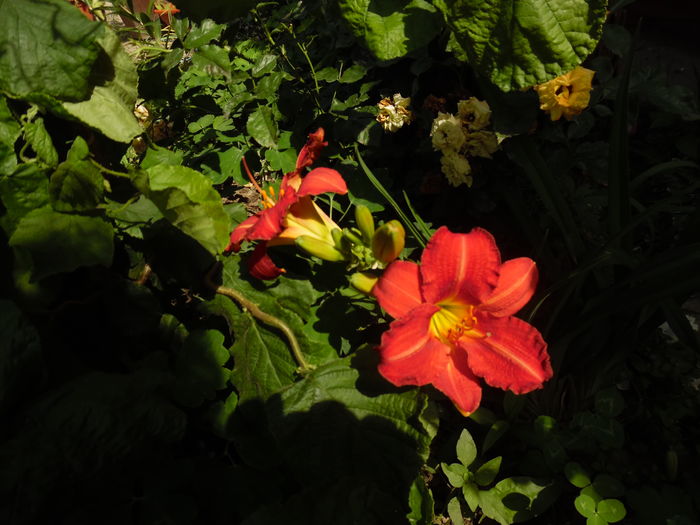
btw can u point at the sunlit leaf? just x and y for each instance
(519, 43)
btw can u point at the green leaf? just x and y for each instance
(202, 34)
(585, 505)
(24, 190)
(516, 499)
(230, 164)
(109, 109)
(78, 151)
(456, 473)
(9, 127)
(199, 367)
(394, 28)
(20, 354)
(576, 475)
(130, 218)
(39, 139)
(420, 503)
(187, 200)
(156, 155)
(46, 49)
(596, 520)
(520, 43)
(466, 448)
(60, 242)
(454, 511)
(220, 415)
(497, 430)
(352, 74)
(608, 486)
(470, 491)
(371, 432)
(262, 127)
(609, 402)
(612, 510)
(488, 472)
(263, 362)
(284, 160)
(76, 186)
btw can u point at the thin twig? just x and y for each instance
(268, 319)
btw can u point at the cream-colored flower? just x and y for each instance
(393, 114)
(447, 133)
(475, 113)
(566, 95)
(456, 168)
(481, 144)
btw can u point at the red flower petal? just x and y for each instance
(513, 356)
(459, 383)
(322, 180)
(460, 267)
(516, 284)
(311, 150)
(410, 355)
(269, 222)
(261, 266)
(240, 233)
(398, 289)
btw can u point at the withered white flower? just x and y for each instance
(456, 168)
(447, 133)
(393, 114)
(475, 113)
(481, 144)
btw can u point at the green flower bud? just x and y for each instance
(388, 241)
(363, 281)
(365, 222)
(319, 248)
(337, 235)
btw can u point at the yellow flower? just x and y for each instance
(456, 168)
(475, 113)
(393, 114)
(566, 95)
(447, 132)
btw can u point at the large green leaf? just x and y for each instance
(47, 48)
(20, 353)
(199, 367)
(22, 191)
(263, 360)
(9, 127)
(38, 137)
(76, 186)
(61, 242)
(110, 105)
(262, 127)
(344, 428)
(187, 200)
(391, 28)
(520, 43)
(517, 499)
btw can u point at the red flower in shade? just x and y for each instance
(293, 213)
(453, 320)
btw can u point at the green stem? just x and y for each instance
(270, 320)
(108, 171)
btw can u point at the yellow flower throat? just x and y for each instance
(454, 321)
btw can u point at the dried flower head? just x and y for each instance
(475, 113)
(456, 168)
(566, 95)
(393, 114)
(447, 133)
(481, 144)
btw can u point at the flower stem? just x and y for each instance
(268, 319)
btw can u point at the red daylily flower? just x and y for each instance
(453, 320)
(293, 213)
